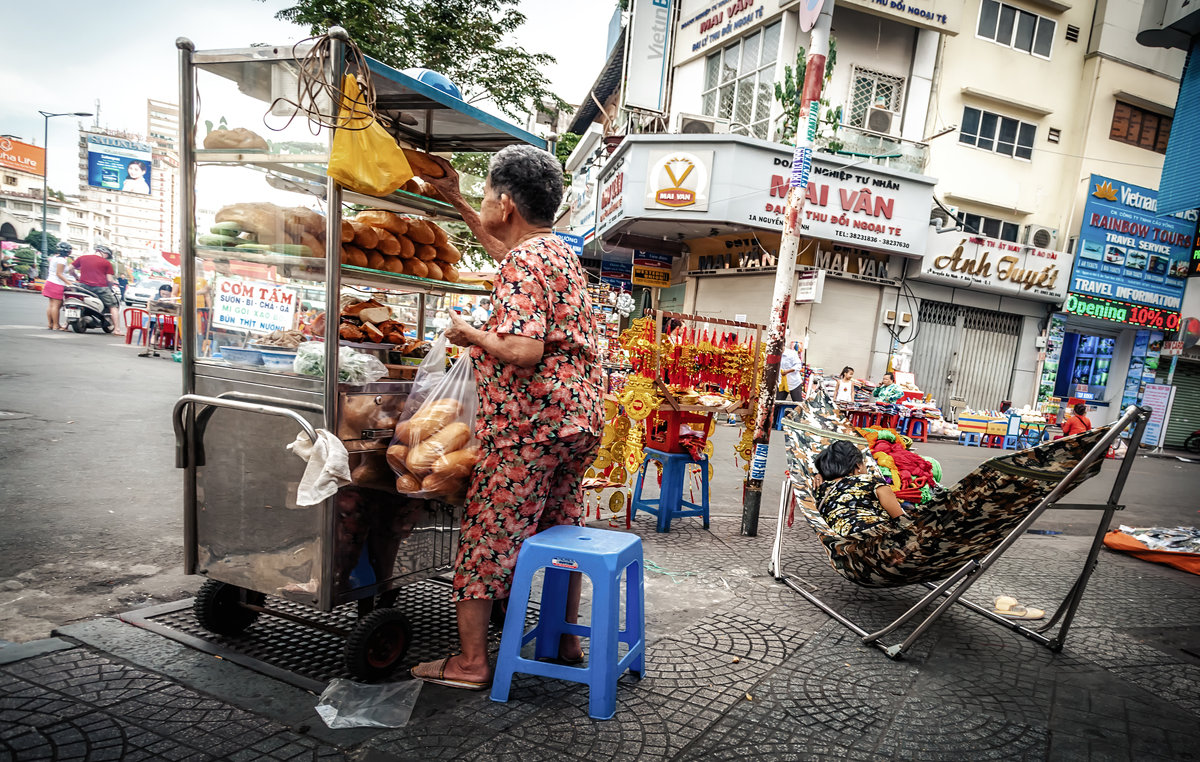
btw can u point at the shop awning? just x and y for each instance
(605, 85)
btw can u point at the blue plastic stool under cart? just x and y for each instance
(604, 556)
(670, 503)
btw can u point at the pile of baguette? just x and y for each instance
(433, 453)
(266, 227)
(385, 241)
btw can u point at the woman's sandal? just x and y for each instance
(1007, 607)
(435, 672)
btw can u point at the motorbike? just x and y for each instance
(1192, 443)
(84, 310)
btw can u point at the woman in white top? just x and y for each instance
(57, 280)
(845, 385)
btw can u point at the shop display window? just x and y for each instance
(1084, 367)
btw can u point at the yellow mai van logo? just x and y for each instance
(1106, 191)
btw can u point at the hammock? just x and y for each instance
(962, 530)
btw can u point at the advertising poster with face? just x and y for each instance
(119, 164)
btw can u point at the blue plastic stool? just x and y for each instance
(670, 503)
(604, 556)
(969, 438)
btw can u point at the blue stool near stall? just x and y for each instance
(782, 408)
(969, 438)
(605, 557)
(670, 503)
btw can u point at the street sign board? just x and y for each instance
(1172, 348)
(1158, 397)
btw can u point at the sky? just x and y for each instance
(128, 55)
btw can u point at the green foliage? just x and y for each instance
(26, 256)
(566, 143)
(462, 39)
(34, 239)
(788, 94)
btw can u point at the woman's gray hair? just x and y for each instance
(532, 178)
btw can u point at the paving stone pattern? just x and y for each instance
(760, 674)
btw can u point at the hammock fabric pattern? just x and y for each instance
(936, 538)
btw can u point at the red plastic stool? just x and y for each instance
(913, 425)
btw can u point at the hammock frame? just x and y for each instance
(959, 582)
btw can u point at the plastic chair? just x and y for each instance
(604, 556)
(969, 438)
(135, 320)
(670, 503)
(916, 425)
(166, 332)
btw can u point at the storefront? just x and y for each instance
(1125, 295)
(721, 200)
(981, 305)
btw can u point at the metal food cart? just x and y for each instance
(243, 528)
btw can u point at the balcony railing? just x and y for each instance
(878, 148)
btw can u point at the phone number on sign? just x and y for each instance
(874, 239)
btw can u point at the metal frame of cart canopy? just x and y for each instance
(232, 424)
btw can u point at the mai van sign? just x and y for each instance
(1000, 267)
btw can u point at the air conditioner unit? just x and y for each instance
(880, 120)
(696, 124)
(943, 217)
(1038, 236)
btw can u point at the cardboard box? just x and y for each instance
(973, 424)
(999, 428)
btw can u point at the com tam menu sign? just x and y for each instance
(254, 306)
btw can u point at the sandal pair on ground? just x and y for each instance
(435, 672)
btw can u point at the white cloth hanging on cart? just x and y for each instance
(328, 466)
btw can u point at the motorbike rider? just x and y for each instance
(96, 274)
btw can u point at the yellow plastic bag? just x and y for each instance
(365, 158)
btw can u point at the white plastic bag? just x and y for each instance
(353, 367)
(347, 704)
(434, 450)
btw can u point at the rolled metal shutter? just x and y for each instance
(1185, 412)
(933, 350)
(986, 354)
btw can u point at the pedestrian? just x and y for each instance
(791, 374)
(57, 279)
(96, 274)
(122, 283)
(1078, 423)
(481, 313)
(845, 385)
(537, 370)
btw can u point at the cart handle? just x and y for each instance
(181, 447)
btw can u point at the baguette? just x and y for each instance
(374, 260)
(387, 243)
(415, 267)
(450, 273)
(407, 483)
(440, 235)
(314, 245)
(433, 417)
(422, 164)
(458, 463)
(420, 231)
(449, 439)
(448, 252)
(396, 455)
(353, 256)
(426, 253)
(435, 271)
(408, 249)
(394, 265)
(365, 236)
(442, 484)
(392, 223)
(347, 231)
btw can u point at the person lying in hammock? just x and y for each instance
(849, 499)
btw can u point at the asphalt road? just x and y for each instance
(91, 515)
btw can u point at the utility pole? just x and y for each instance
(785, 270)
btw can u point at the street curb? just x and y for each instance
(214, 676)
(15, 652)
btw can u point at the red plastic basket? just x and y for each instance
(918, 396)
(662, 428)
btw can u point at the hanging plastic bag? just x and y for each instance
(364, 157)
(434, 448)
(353, 367)
(347, 704)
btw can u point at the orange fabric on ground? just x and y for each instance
(1188, 562)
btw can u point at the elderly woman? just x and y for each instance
(888, 391)
(539, 381)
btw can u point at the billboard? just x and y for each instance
(998, 267)
(647, 55)
(119, 164)
(22, 156)
(1128, 253)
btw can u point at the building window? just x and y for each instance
(1015, 28)
(997, 133)
(739, 82)
(10, 180)
(1139, 127)
(989, 226)
(872, 88)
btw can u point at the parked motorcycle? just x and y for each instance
(1192, 443)
(84, 310)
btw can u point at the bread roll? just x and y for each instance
(402, 434)
(347, 231)
(458, 463)
(354, 255)
(432, 418)
(449, 439)
(387, 243)
(407, 483)
(442, 484)
(450, 273)
(435, 272)
(396, 455)
(393, 265)
(374, 260)
(365, 236)
(408, 249)
(392, 223)
(426, 253)
(420, 231)
(310, 240)
(439, 234)
(422, 164)
(448, 252)
(415, 267)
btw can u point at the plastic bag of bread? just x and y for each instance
(434, 450)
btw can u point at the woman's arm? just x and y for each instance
(448, 186)
(889, 501)
(521, 351)
(60, 270)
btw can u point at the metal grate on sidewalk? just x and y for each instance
(306, 656)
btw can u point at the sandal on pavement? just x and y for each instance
(1008, 607)
(435, 672)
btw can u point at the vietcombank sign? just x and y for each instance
(1121, 312)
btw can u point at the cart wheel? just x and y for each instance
(218, 607)
(377, 644)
